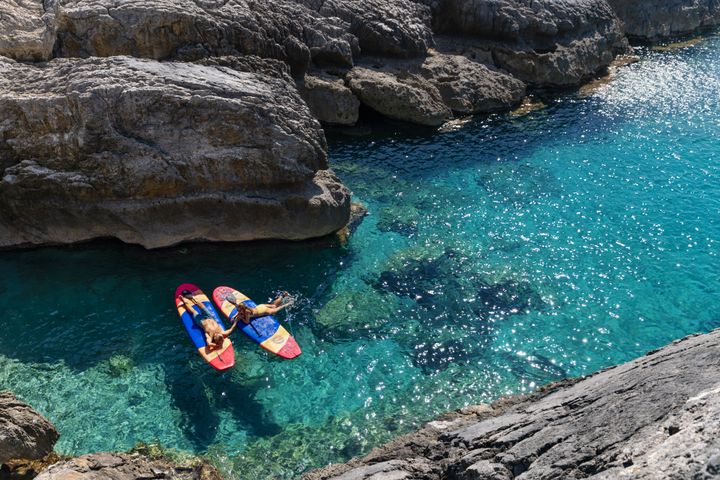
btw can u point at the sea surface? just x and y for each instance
(499, 255)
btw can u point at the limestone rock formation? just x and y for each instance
(409, 99)
(553, 43)
(659, 413)
(297, 32)
(428, 91)
(27, 29)
(655, 20)
(121, 466)
(469, 87)
(330, 100)
(158, 153)
(24, 433)
(192, 29)
(397, 28)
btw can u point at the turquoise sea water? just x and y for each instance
(500, 255)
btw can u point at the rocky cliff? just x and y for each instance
(657, 20)
(157, 153)
(175, 120)
(654, 417)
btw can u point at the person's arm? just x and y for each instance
(274, 310)
(226, 333)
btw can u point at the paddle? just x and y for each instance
(230, 297)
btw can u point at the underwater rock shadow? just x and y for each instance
(439, 283)
(200, 394)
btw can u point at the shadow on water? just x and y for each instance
(108, 305)
(202, 395)
(410, 152)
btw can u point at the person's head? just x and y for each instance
(217, 339)
(186, 293)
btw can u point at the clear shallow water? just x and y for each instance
(498, 257)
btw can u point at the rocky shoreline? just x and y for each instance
(163, 122)
(654, 417)
(658, 415)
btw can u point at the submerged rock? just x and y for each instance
(443, 285)
(649, 416)
(24, 433)
(158, 153)
(346, 314)
(655, 20)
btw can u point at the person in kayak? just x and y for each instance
(246, 314)
(214, 333)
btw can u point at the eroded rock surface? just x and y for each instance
(157, 153)
(654, 20)
(24, 433)
(297, 32)
(469, 87)
(655, 417)
(330, 100)
(429, 91)
(122, 466)
(553, 43)
(27, 29)
(406, 98)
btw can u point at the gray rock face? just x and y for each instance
(469, 87)
(296, 32)
(654, 20)
(407, 98)
(430, 90)
(120, 466)
(397, 28)
(552, 43)
(655, 417)
(330, 100)
(159, 153)
(191, 29)
(27, 29)
(24, 433)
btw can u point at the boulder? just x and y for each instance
(551, 43)
(24, 433)
(159, 153)
(655, 20)
(649, 418)
(122, 466)
(407, 97)
(469, 87)
(330, 100)
(428, 91)
(27, 30)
